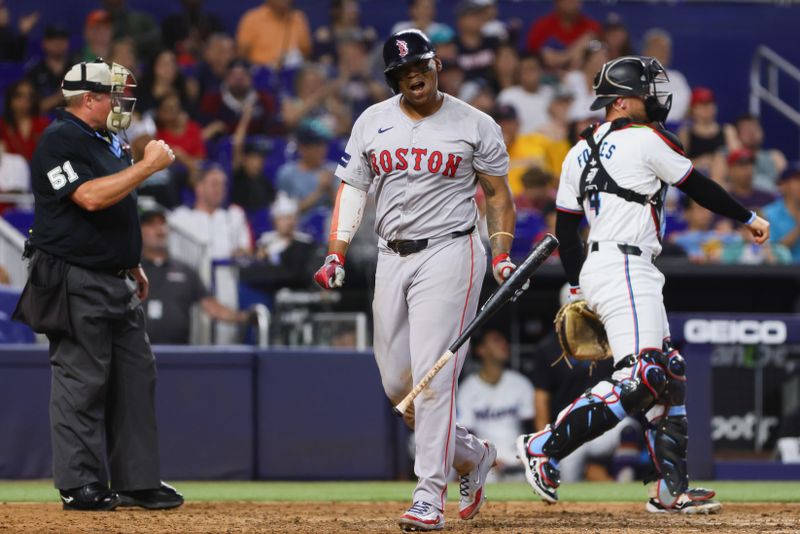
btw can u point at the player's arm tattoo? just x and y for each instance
(500, 214)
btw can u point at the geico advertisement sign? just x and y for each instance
(749, 332)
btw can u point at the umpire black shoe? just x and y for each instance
(92, 497)
(161, 498)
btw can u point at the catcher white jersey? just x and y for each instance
(423, 171)
(638, 158)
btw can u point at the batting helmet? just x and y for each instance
(634, 76)
(406, 46)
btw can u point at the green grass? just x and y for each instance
(42, 491)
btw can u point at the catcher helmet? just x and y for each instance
(634, 76)
(406, 46)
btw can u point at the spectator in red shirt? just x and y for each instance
(562, 35)
(182, 134)
(21, 125)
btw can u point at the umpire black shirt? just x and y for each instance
(70, 153)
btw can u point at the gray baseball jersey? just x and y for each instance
(423, 171)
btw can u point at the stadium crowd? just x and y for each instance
(258, 118)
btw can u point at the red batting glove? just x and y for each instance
(502, 267)
(331, 274)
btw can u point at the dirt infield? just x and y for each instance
(508, 517)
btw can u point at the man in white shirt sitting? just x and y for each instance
(495, 403)
(224, 230)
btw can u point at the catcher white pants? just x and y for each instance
(422, 302)
(626, 292)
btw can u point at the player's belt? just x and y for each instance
(630, 250)
(404, 247)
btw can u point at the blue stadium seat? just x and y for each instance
(314, 223)
(19, 218)
(263, 79)
(9, 73)
(11, 331)
(260, 221)
(529, 225)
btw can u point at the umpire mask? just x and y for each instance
(99, 77)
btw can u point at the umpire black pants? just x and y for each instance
(102, 403)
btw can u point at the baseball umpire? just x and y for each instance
(423, 152)
(617, 176)
(84, 291)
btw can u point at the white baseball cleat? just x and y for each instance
(421, 517)
(540, 473)
(471, 484)
(693, 501)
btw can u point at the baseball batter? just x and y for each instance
(617, 176)
(423, 152)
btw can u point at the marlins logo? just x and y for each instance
(402, 47)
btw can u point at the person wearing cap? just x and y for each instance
(784, 213)
(97, 33)
(702, 137)
(769, 162)
(310, 179)
(285, 257)
(476, 51)
(251, 189)
(740, 181)
(46, 74)
(86, 244)
(175, 287)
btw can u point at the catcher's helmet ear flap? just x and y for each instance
(634, 76)
(406, 46)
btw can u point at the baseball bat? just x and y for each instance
(503, 294)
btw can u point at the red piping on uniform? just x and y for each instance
(455, 363)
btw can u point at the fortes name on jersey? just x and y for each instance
(418, 159)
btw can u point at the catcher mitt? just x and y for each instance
(580, 333)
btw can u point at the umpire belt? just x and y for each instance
(404, 247)
(628, 250)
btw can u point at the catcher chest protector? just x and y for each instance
(595, 179)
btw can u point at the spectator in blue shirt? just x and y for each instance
(310, 179)
(784, 213)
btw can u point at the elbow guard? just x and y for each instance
(348, 212)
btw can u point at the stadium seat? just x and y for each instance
(529, 225)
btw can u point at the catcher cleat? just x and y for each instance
(694, 501)
(421, 517)
(540, 472)
(471, 484)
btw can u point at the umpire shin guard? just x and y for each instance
(666, 440)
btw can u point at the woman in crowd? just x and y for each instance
(181, 133)
(162, 77)
(21, 125)
(703, 138)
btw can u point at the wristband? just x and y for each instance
(752, 217)
(499, 258)
(501, 233)
(338, 257)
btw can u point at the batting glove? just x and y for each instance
(502, 267)
(575, 294)
(331, 274)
